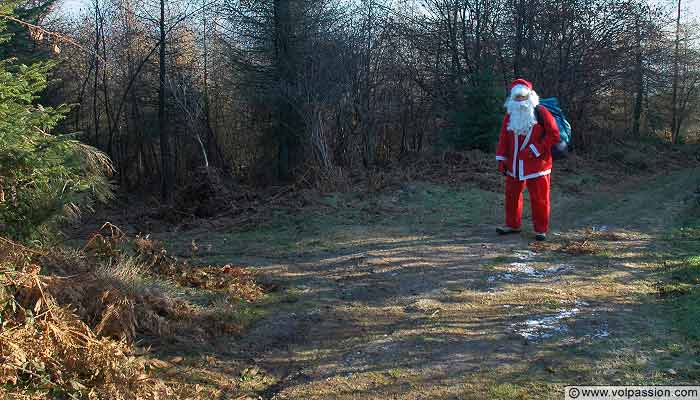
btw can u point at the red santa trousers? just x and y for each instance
(539, 201)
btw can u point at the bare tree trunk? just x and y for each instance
(165, 151)
(288, 124)
(81, 95)
(480, 20)
(366, 110)
(639, 82)
(95, 115)
(518, 37)
(212, 145)
(111, 125)
(455, 67)
(675, 126)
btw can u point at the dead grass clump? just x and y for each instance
(122, 300)
(145, 287)
(592, 240)
(106, 242)
(546, 246)
(236, 281)
(98, 303)
(159, 312)
(608, 235)
(69, 333)
(583, 246)
(123, 288)
(116, 299)
(46, 350)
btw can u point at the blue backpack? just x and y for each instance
(561, 149)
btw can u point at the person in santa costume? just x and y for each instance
(524, 157)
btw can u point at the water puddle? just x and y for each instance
(524, 255)
(601, 332)
(519, 270)
(543, 327)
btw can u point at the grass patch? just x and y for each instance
(254, 379)
(508, 391)
(680, 275)
(575, 182)
(346, 220)
(432, 207)
(522, 386)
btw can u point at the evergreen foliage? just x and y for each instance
(43, 176)
(477, 121)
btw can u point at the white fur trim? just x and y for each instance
(527, 138)
(500, 158)
(534, 150)
(535, 175)
(515, 153)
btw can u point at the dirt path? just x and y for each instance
(467, 314)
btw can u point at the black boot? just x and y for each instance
(505, 230)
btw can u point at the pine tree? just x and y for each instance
(20, 43)
(43, 176)
(477, 120)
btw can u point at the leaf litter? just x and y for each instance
(69, 320)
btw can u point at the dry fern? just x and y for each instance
(45, 349)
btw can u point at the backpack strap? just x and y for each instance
(538, 116)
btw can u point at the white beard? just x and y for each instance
(522, 114)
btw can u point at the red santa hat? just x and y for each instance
(520, 87)
(521, 81)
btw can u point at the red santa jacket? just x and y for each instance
(530, 156)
